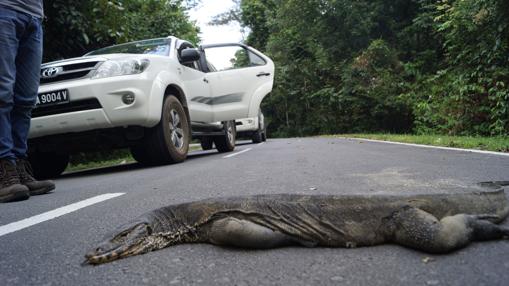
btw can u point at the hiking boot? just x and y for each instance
(10, 187)
(26, 177)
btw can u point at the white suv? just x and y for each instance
(152, 96)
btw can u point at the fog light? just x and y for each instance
(128, 98)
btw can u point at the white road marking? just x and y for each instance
(434, 147)
(235, 154)
(260, 143)
(18, 225)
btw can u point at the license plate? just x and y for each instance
(53, 98)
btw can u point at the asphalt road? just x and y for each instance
(51, 252)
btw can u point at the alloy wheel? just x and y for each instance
(177, 133)
(230, 132)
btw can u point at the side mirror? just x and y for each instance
(189, 55)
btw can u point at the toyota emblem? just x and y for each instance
(51, 72)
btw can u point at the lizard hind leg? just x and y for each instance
(415, 228)
(244, 233)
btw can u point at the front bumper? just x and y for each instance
(112, 111)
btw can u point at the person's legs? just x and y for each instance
(28, 66)
(10, 28)
(9, 42)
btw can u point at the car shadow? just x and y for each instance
(136, 166)
(129, 166)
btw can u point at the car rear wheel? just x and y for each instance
(48, 165)
(226, 142)
(206, 143)
(168, 141)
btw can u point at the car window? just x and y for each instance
(231, 57)
(211, 67)
(153, 47)
(193, 65)
(256, 60)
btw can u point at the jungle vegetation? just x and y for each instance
(398, 66)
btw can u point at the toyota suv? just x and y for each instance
(151, 96)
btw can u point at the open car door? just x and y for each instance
(239, 78)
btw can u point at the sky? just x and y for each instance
(203, 14)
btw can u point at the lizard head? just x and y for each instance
(132, 240)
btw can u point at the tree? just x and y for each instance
(73, 27)
(451, 77)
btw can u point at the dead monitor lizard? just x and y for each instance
(435, 223)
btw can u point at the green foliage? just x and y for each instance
(95, 159)
(156, 18)
(469, 95)
(492, 143)
(256, 14)
(420, 66)
(373, 83)
(333, 73)
(73, 27)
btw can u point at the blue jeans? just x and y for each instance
(20, 64)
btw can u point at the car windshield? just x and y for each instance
(152, 47)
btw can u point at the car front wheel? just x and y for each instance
(48, 165)
(168, 141)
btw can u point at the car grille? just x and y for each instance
(71, 71)
(78, 105)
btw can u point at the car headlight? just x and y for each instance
(120, 67)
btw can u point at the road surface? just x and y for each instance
(43, 240)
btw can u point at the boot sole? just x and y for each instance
(41, 191)
(16, 196)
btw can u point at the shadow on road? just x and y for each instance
(136, 166)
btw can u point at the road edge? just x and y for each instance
(430, 146)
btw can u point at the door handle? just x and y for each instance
(205, 80)
(263, 74)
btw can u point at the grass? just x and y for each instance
(84, 161)
(495, 143)
(120, 159)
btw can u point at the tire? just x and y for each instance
(48, 165)
(264, 135)
(168, 141)
(206, 143)
(226, 142)
(257, 136)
